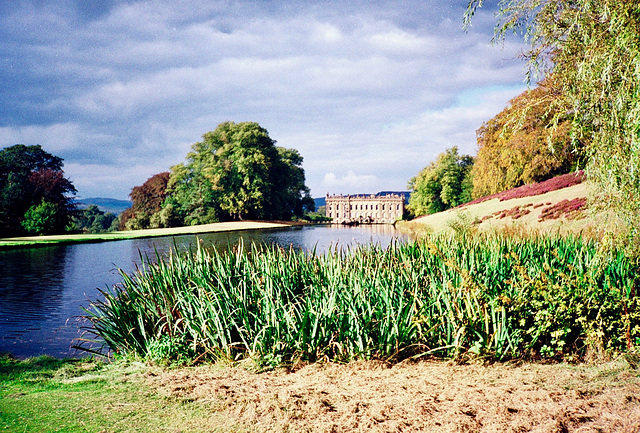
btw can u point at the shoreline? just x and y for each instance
(35, 241)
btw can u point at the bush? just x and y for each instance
(43, 219)
(449, 296)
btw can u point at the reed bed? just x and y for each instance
(450, 296)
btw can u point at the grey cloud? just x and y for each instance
(127, 88)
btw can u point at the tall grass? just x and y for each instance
(451, 296)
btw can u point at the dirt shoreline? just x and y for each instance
(430, 396)
(30, 241)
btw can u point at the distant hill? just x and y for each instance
(105, 204)
(321, 201)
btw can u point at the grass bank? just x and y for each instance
(51, 395)
(48, 395)
(452, 296)
(525, 213)
(136, 234)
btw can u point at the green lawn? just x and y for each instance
(50, 395)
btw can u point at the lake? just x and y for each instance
(43, 289)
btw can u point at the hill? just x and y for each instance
(105, 204)
(558, 204)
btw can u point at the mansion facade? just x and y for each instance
(364, 209)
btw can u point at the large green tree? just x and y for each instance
(443, 184)
(236, 172)
(291, 195)
(32, 179)
(593, 49)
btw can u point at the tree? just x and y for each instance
(240, 157)
(443, 184)
(521, 145)
(43, 219)
(237, 172)
(291, 195)
(147, 200)
(593, 51)
(92, 220)
(191, 198)
(30, 176)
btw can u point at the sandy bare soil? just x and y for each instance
(426, 396)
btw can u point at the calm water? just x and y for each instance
(43, 290)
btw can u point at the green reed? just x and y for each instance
(450, 296)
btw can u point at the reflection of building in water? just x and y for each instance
(365, 209)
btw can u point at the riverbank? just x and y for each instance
(556, 206)
(434, 396)
(30, 241)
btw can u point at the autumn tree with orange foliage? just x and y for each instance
(525, 143)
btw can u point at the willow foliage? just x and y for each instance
(593, 49)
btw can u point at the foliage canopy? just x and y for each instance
(523, 144)
(443, 184)
(235, 172)
(147, 201)
(593, 49)
(33, 180)
(93, 220)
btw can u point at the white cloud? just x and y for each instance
(357, 87)
(96, 180)
(349, 181)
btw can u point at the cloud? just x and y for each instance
(357, 87)
(350, 181)
(96, 180)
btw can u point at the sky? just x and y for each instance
(369, 92)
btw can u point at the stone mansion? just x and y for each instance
(364, 209)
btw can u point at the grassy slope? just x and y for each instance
(114, 236)
(443, 220)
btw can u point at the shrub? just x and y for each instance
(450, 296)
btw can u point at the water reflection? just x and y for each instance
(39, 285)
(43, 290)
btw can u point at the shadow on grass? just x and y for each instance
(42, 367)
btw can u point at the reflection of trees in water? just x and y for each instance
(321, 237)
(32, 280)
